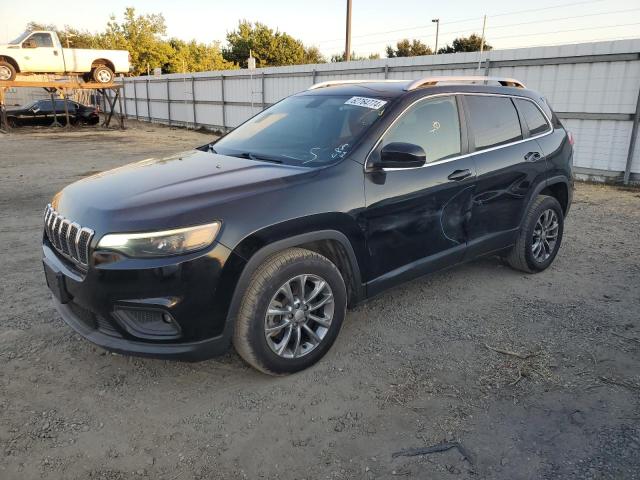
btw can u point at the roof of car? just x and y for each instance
(396, 88)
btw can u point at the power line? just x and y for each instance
(523, 23)
(467, 20)
(563, 31)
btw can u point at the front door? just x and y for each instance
(416, 218)
(41, 55)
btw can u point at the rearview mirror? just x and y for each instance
(402, 155)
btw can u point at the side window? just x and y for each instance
(41, 40)
(493, 120)
(533, 117)
(45, 106)
(433, 124)
(71, 106)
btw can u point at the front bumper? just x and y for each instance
(189, 351)
(189, 290)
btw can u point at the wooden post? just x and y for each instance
(66, 109)
(4, 123)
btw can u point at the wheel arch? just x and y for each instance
(557, 187)
(333, 244)
(12, 61)
(103, 61)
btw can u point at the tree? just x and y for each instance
(141, 36)
(195, 57)
(313, 55)
(268, 47)
(465, 44)
(406, 48)
(69, 37)
(339, 57)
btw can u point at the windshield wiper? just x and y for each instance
(256, 156)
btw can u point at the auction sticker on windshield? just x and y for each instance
(373, 103)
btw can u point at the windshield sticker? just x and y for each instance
(340, 151)
(373, 103)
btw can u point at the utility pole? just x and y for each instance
(347, 43)
(437, 22)
(484, 25)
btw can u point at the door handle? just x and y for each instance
(55, 52)
(532, 157)
(460, 175)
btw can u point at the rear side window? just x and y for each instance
(533, 117)
(60, 106)
(493, 121)
(433, 124)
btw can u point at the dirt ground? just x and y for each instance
(414, 367)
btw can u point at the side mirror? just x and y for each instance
(402, 155)
(29, 44)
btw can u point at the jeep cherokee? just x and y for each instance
(263, 238)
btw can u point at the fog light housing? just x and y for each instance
(148, 323)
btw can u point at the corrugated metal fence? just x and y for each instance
(594, 88)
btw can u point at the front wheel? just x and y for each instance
(291, 312)
(540, 237)
(7, 71)
(102, 74)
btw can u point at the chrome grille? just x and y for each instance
(69, 239)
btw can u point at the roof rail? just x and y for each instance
(341, 82)
(431, 81)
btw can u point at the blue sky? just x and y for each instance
(376, 23)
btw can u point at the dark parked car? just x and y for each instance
(265, 237)
(42, 112)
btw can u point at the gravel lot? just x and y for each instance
(411, 368)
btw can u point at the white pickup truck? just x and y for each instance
(41, 52)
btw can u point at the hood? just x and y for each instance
(184, 189)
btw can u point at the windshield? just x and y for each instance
(305, 130)
(18, 40)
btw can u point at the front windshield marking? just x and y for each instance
(308, 130)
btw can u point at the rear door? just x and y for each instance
(416, 217)
(509, 162)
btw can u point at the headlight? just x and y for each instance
(159, 244)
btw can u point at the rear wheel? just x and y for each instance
(7, 71)
(540, 237)
(102, 74)
(291, 312)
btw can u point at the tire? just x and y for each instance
(7, 71)
(529, 255)
(12, 122)
(102, 74)
(266, 292)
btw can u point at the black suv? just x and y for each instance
(265, 237)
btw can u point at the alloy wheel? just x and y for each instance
(299, 316)
(104, 76)
(545, 235)
(5, 73)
